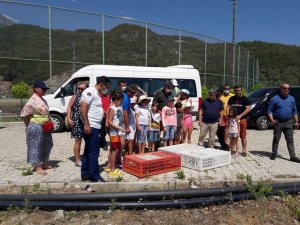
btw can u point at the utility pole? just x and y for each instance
(233, 39)
(74, 57)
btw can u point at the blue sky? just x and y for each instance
(263, 20)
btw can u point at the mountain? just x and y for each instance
(5, 21)
(125, 45)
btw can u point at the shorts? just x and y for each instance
(153, 136)
(169, 134)
(232, 135)
(142, 134)
(243, 128)
(115, 142)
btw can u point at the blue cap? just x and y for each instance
(40, 84)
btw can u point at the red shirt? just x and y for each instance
(105, 102)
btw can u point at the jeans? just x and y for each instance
(287, 129)
(170, 133)
(90, 165)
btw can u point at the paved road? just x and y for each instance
(258, 165)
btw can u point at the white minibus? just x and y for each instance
(150, 79)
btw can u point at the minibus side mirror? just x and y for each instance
(62, 92)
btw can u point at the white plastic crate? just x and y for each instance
(199, 158)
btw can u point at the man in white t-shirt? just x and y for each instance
(92, 115)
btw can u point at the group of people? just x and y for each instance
(224, 114)
(124, 115)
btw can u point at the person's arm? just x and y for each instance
(270, 112)
(84, 114)
(137, 120)
(175, 118)
(245, 112)
(200, 117)
(149, 120)
(239, 128)
(69, 110)
(126, 110)
(221, 113)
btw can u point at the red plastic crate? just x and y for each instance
(152, 163)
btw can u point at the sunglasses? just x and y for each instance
(285, 88)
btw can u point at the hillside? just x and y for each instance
(125, 45)
(278, 62)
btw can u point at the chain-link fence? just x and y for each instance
(38, 40)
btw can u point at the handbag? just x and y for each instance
(47, 127)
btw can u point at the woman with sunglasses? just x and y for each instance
(73, 119)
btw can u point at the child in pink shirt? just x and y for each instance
(169, 121)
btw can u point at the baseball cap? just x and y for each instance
(40, 84)
(174, 82)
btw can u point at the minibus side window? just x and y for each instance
(115, 80)
(71, 88)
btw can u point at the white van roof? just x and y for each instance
(176, 68)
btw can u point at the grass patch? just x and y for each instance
(27, 172)
(180, 174)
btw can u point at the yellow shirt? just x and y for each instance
(225, 100)
(39, 119)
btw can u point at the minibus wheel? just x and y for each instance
(58, 123)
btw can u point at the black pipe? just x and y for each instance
(138, 195)
(46, 205)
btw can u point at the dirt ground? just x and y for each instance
(282, 209)
(274, 210)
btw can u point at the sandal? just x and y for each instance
(115, 173)
(47, 166)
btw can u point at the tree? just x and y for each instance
(20, 91)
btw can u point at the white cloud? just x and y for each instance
(10, 18)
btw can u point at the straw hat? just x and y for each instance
(143, 97)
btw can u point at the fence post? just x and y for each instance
(103, 43)
(205, 59)
(238, 72)
(146, 54)
(50, 43)
(179, 46)
(224, 63)
(247, 79)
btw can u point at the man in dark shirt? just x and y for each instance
(209, 118)
(242, 106)
(281, 111)
(161, 95)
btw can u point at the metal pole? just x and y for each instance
(247, 71)
(179, 46)
(238, 72)
(205, 59)
(253, 73)
(257, 71)
(233, 39)
(74, 57)
(50, 43)
(146, 54)
(224, 63)
(103, 36)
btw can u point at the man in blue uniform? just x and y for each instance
(282, 111)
